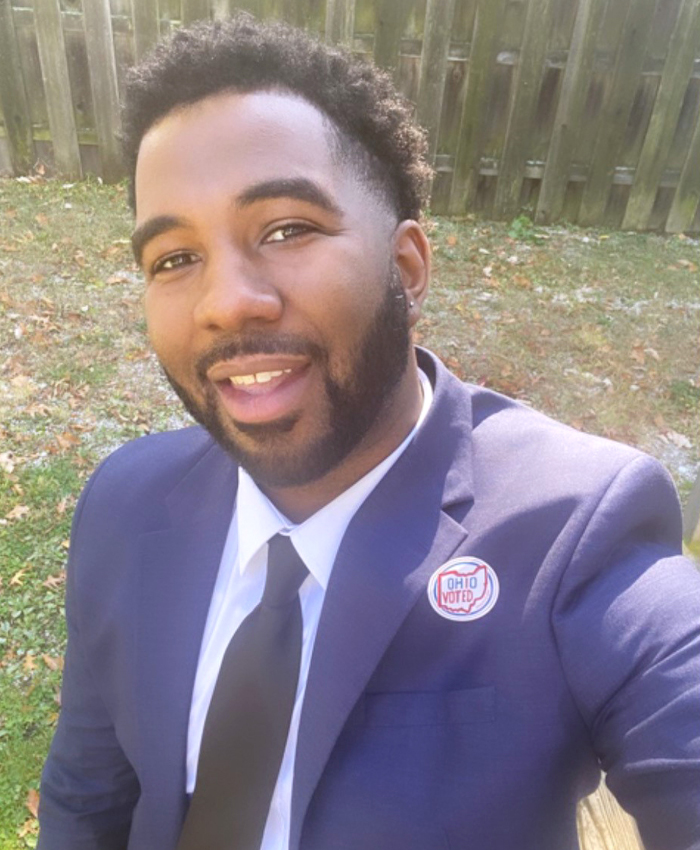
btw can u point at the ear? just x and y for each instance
(412, 258)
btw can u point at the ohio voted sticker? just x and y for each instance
(464, 589)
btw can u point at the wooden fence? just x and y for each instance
(584, 110)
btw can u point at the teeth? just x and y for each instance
(257, 377)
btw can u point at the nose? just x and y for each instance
(235, 293)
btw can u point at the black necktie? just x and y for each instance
(247, 724)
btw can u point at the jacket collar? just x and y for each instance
(398, 538)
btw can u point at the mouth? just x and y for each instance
(263, 389)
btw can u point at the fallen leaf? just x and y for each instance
(29, 663)
(52, 582)
(451, 240)
(32, 801)
(29, 827)
(7, 463)
(66, 440)
(53, 662)
(679, 440)
(17, 578)
(18, 512)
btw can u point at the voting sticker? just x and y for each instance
(464, 589)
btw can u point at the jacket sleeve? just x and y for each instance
(627, 625)
(88, 787)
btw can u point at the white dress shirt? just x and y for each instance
(238, 589)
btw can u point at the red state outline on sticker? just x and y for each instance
(469, 609)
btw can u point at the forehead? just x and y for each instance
(235, 140)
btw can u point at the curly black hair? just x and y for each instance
(373, 123)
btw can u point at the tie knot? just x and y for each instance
(285, 572)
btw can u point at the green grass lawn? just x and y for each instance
(598, 329)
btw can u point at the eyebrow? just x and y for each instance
(150, 229)
(298, 188)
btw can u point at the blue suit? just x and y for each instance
(417, 732)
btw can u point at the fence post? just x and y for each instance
(569, 113)
(340, 22)
(433, 67)
(664, 118)
(54, 72)
(146, 26)
(97, 22)
(13, 96)
(687, 196)
(482, 57)
(615, 111)
(390, 22)
(525, 91)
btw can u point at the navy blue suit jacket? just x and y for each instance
(417, 732)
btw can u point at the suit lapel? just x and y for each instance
(177, 574)
(397, 539)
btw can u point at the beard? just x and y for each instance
(376, 365)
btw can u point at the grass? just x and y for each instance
(598, 329)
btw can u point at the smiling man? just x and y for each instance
(365, 606)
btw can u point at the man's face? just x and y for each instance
(273, 299)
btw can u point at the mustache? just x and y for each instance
(258, 343)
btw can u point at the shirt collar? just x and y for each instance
(318, 538)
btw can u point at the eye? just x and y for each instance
(285, 232)
(172, 262)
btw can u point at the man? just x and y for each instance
(491, 606)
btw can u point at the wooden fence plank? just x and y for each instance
(687, 197)
(103, 82)
(482, 60)
(340, 21)
(13, 96)
(146, 26)
(525, 90)
(569, 115)
(220, 9)
(54, 72)
(604, 825)
(433, 67)
(663, 121)
(195, 10)
(615, 110)
(391, 17)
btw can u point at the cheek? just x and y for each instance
(169, 328)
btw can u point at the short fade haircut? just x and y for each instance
(373, 123)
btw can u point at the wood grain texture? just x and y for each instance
(525, 91)
(433, 67)
(615, 111)
(484, 47)
(103, 82)
(604, 825)
(687, 197)
(340, 21)
(570, 110)
(13, 96)
(146, 26)
(57, 90)
(662, 125)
